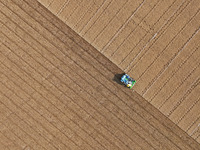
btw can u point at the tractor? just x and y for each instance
(128, 81)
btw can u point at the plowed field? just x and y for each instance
(154, 41)
(58, 92)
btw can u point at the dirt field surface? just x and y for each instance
(154, 41)
(58, 92)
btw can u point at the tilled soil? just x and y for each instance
(156, 42)
(58, 92)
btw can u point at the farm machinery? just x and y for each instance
(128, 81)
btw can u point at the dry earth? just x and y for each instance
(155, 41)
(58, 92)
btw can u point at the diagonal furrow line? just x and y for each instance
(160, 31)
(88, 8)
(133, 31)
(169, 63)
(74, 9)
(194, 85)
(122, 27)
(146, 33)
(63, 7)
(194, 69)
(94, 16)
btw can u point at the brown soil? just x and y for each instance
(58, 92)
(156, 42)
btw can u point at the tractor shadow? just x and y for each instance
(117, 78)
